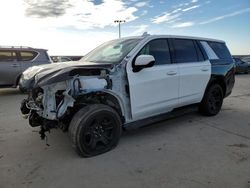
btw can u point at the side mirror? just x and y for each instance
(143, 61)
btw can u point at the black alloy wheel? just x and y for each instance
(212, 101)
(95, 129)
(98, 133)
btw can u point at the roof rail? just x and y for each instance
(27, 47)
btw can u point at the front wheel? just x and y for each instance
(95, 129)
(212, 101)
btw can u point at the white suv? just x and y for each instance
(128, 83)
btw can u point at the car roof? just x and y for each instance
(185, 37)
(174, 36)
(21, 48)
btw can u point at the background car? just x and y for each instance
(242, 66)
(16, 59)
(246, 59)
(59, 59)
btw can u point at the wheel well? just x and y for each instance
(101, 98)
(221, 82)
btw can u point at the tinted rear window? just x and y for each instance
(27, 56)
(220, 50)
(185, 51)
(7, 56)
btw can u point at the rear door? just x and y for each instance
(195, 70)
(27, 59)
(154, 90)
(10, 68)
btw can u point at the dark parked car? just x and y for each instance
(242, 66)
(16, 59)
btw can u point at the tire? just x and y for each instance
(95, 129)
(212, 101)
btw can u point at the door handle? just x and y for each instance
(171, 73)
(15, 65)
(204, 69)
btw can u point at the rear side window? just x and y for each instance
(220, 50)
(27, 56)
(159, 49)
(7, 56)
(199, 52)
(185, 51)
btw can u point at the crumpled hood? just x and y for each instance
(55, 66)
(56, 72)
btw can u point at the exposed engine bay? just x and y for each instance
(55, 98)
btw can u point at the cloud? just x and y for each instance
(79, 14)
(46, 8)
(141, 4)
(166, 17)
(176, 10)
(226, 16)
(190, 8)
(174, 16)
(184, 24)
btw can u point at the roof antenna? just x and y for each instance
(145, 34)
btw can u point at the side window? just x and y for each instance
(220, 49)
(185, 51)
(199, 52)
(7, 56)
(159, 49)
(27, 56)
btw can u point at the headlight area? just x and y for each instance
(49, 105)
(56, 99)
(46, 105)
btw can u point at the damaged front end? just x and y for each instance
(56, 96)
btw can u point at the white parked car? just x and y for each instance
(127, 83)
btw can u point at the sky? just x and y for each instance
(74, 27)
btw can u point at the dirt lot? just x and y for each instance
(190, 151)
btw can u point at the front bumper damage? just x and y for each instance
(48, 106)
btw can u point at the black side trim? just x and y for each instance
(169, 115)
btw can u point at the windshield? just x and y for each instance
(111, 52)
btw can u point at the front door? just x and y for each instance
(154, 90)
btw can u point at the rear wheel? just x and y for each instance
(212, 101)
(95, 129)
